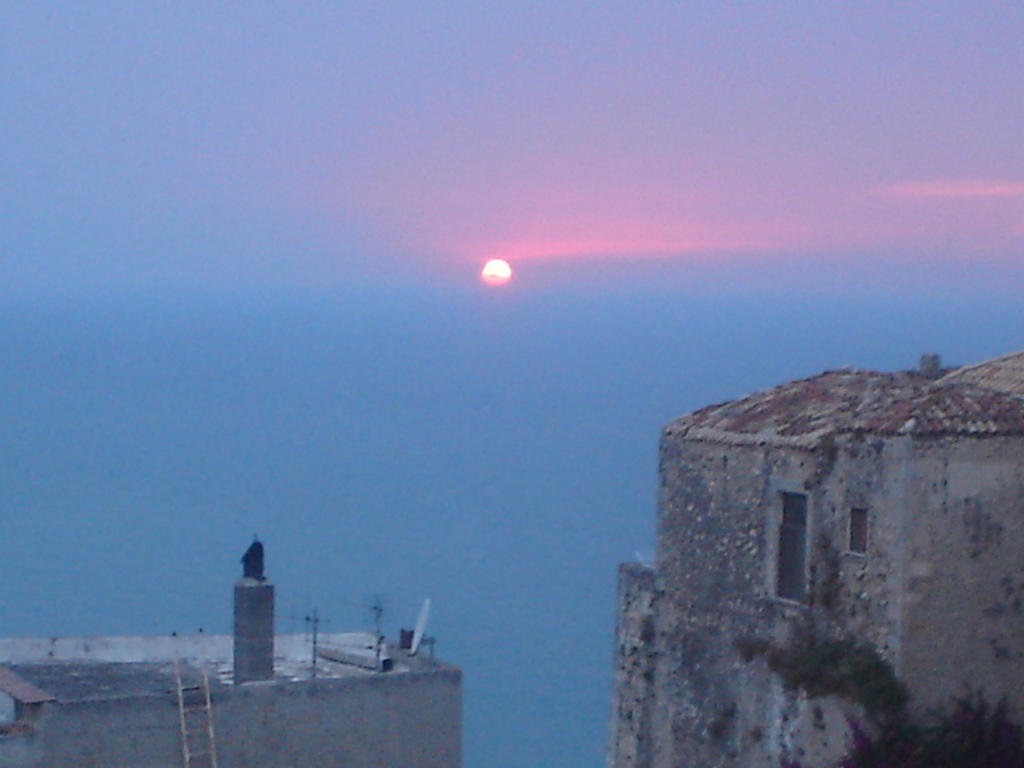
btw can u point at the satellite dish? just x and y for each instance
(421, 627)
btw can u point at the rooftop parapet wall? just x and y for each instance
(95, 668)
(151, 648)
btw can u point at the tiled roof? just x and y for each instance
(1004, 374)
(20, 689)
(801, 412)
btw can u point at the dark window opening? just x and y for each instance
(27, 710)
(859, 531)
(792, 582)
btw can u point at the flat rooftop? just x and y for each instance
(95, 668)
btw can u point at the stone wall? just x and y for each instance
(964, 615)
(635, 655)
(939, 593)
(718, 535)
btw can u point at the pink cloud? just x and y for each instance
(956, 188)
(567, 247)
(630, 239)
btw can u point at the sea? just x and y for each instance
(493, 450)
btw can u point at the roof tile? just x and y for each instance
(844, 401)
(1003, 374)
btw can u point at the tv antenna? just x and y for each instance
(378, 612)
(313, 621)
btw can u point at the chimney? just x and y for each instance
(254, 619)
(930, 366)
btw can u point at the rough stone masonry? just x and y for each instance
(880, 510)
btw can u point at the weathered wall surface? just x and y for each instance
(712, 546)
(153, 648)
(719, 518)
(635, 654)
(939, 592)
(17, 751)
(410, 719)
(964, 619)
(861, 595)
(807, 530)
(254, 630)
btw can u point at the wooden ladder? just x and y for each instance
(195, 712)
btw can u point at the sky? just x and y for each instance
(239, 257)
(194, 142)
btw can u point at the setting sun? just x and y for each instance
(496, 272)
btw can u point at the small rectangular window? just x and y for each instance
(792, 581)
(859, 531)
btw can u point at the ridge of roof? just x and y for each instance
(1001, 374)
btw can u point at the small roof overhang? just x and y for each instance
(20, 689)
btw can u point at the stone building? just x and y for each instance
(851, 510)
(133, 702)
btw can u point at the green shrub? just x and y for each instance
(843, 668)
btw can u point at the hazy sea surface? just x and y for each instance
(494, 451)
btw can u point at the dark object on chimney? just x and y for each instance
(252, 562)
